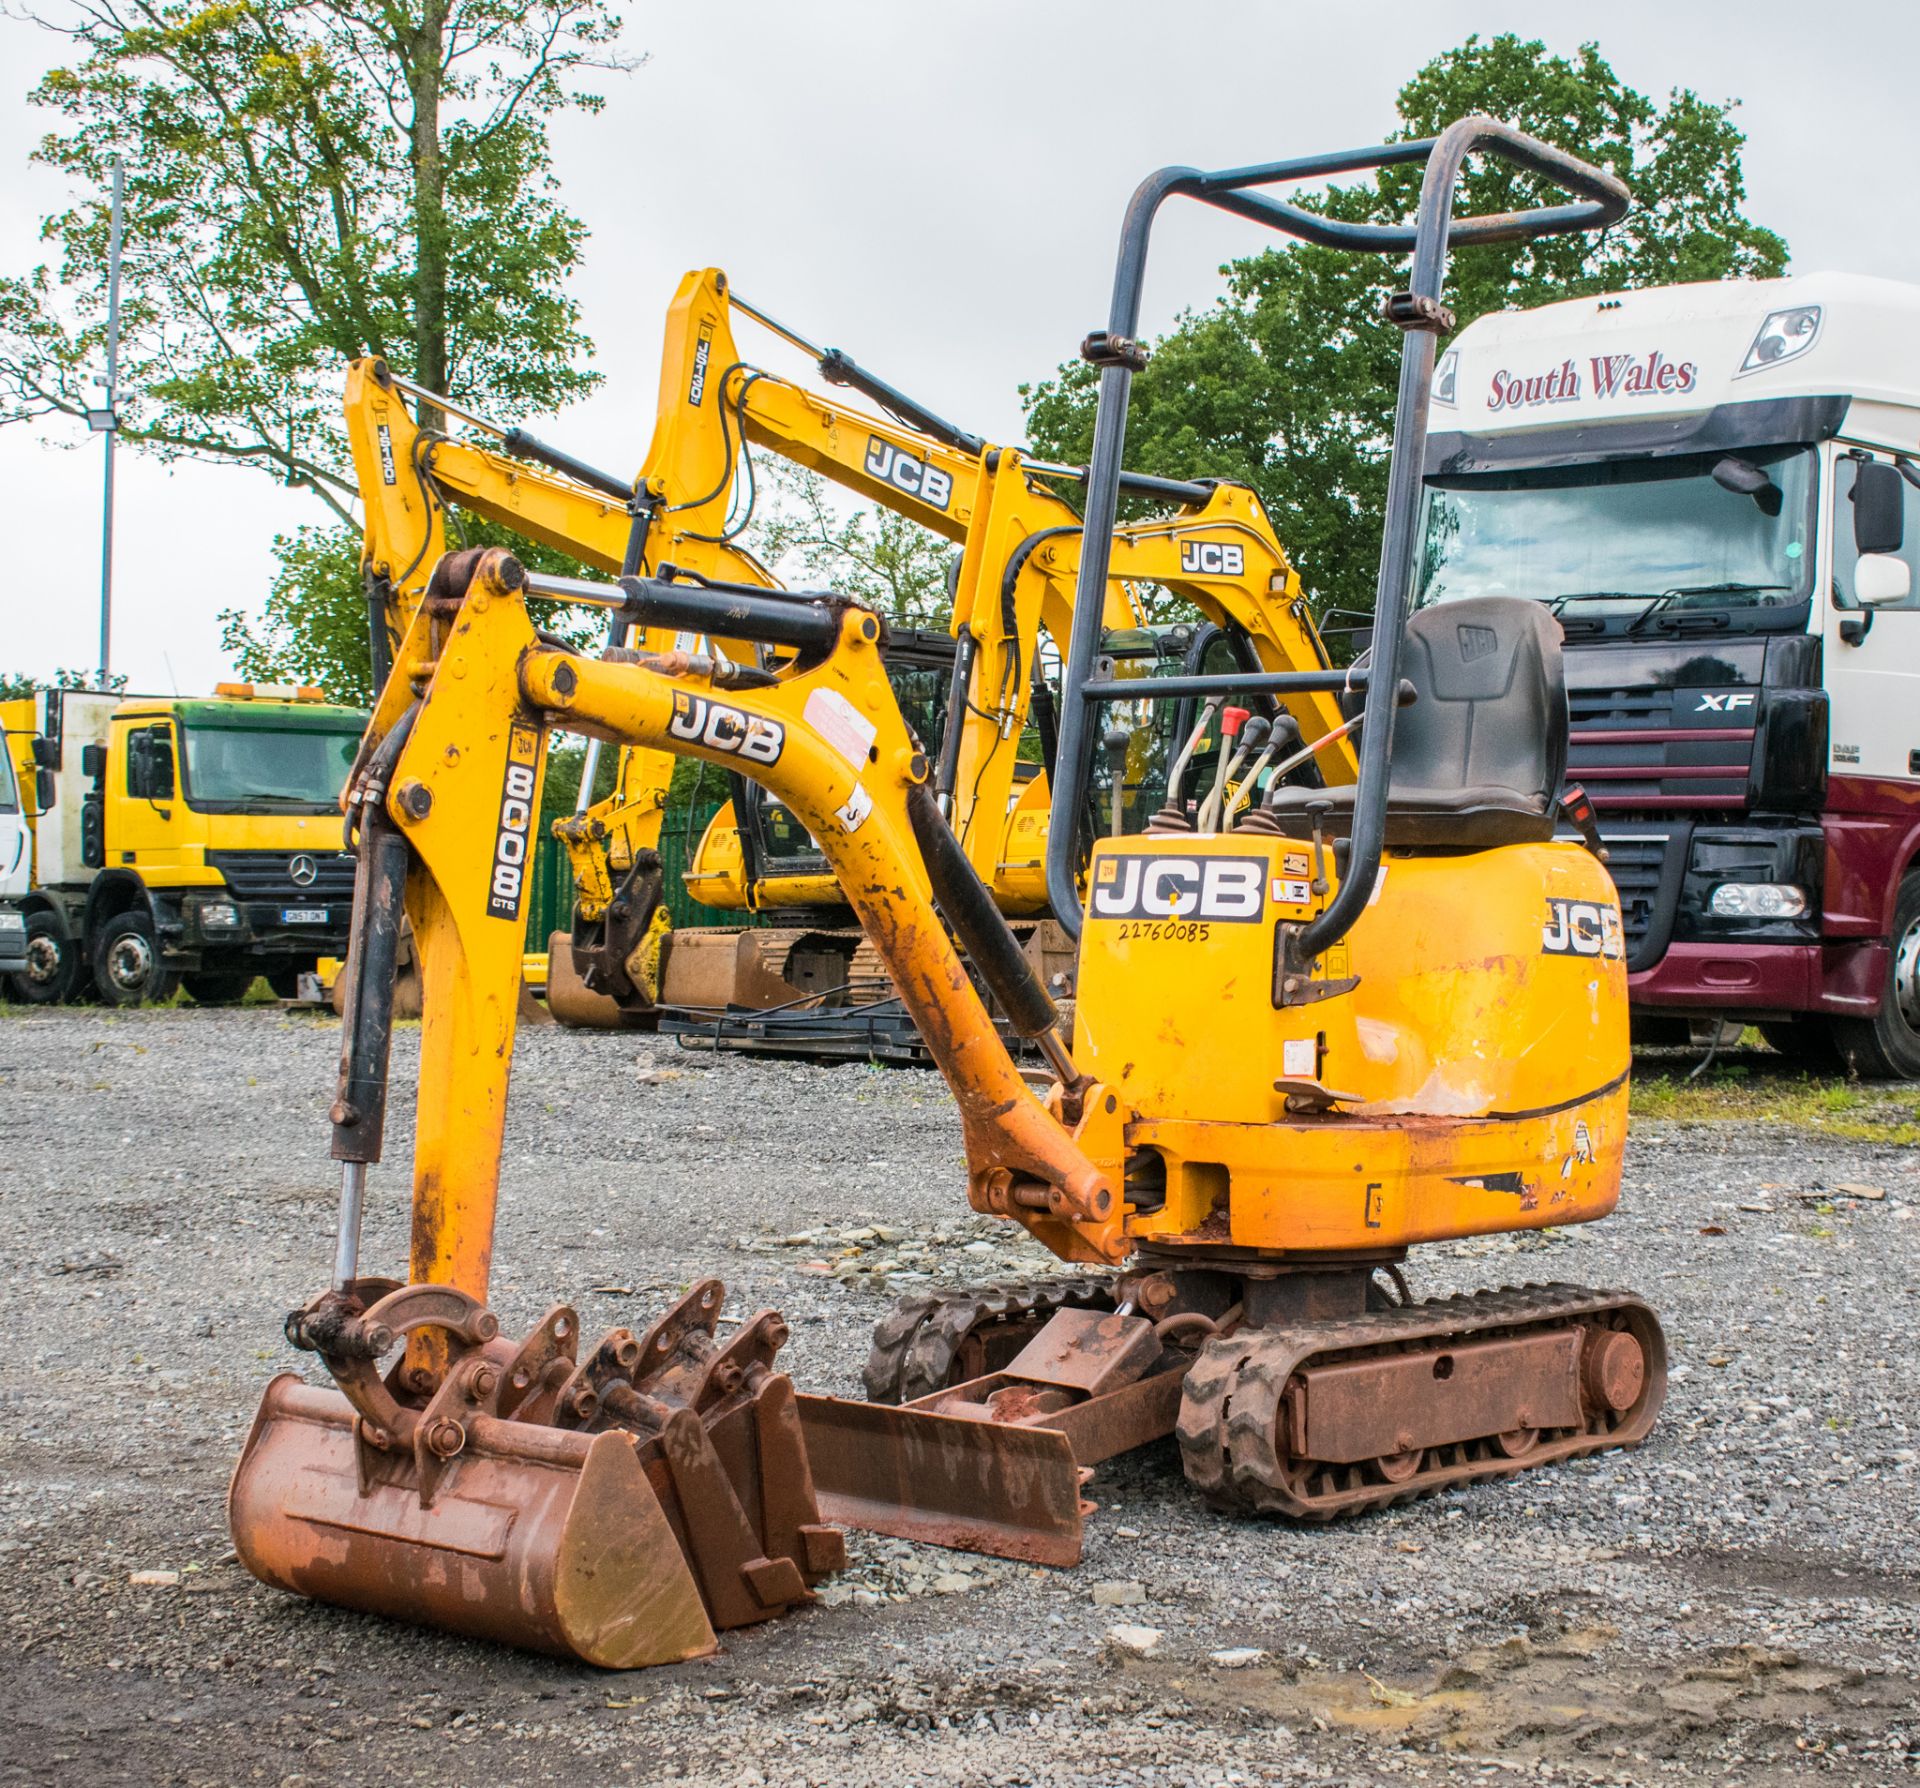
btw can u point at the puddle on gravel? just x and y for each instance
(1562, 1695)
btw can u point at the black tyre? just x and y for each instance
(55, 968)
(285, 980)
(1887, 1045)
(126, 962)
(1806, 1043)
(224, 987)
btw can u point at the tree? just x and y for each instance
(15, 685)
(314, 627)
(875, 555)
(1287, 382)
(307, 181)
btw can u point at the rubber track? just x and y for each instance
(916, 1344)
(1230, 1409)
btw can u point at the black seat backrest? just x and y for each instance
(1491, 713)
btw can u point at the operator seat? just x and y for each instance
(1479, 755)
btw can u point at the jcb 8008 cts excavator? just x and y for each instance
(1314, 1030)
(1020, 546)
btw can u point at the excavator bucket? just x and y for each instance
(577, 1005)
(620, 1510)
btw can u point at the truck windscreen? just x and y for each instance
(9, 790)
(244, 769)
(1631, 546)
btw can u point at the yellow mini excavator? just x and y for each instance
(795, 985)
(1316, 1027)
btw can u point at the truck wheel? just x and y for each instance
(1887, 1045)
(54, 968)
(126, 962)
(285, 980)
(1806, 1043)
(226, 987)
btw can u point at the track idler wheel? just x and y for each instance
(932, 1341)
(619, 1510)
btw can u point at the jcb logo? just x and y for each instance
(721, 728)
(510, 853)
(1212, 558)
(1724, 703)
(702, 353)
(1231, 889)
(914, 476)
(1582, 928)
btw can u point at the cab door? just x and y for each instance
(143, 820)
(1872, 655)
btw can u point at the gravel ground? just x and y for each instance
(1735, 1602)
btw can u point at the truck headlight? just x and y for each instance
(13, 924)
(1784, 334)
(1758, 900)
(219, 915)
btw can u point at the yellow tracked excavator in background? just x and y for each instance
(797, 985)
(1316, 1027)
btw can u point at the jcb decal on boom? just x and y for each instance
(1212, 558)
(512, 838)
(1582, 928)
(714, 724)
(1230, 889)
(702, 352)
(914, 476)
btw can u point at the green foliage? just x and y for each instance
(1287, 382)
(307, 181)
(16, 685)
(884, 560)
(313, 626)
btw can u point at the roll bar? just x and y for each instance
(1601, 200)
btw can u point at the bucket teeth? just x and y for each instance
(619, 1508)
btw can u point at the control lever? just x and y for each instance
(1317, 812)
(1285, 731)
(1116, 741)
(1231, 721)
(1253, 738)
(1577, 809)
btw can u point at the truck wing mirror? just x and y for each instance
(42, 790)
(46, 752)
(1879, 500)
(1880, 579)
(93, 761)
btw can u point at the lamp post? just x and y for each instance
(106, 421)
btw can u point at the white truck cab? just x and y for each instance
(1716, 488)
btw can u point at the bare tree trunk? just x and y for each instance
(429, 208)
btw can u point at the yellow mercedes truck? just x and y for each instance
(179, 842)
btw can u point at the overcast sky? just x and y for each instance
(938, 191)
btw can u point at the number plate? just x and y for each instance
(303, 915)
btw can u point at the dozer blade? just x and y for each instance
(619, 1509)
(977, 1486)
(543, 1539)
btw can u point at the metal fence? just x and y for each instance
(550, 908)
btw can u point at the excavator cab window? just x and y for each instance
(920, 668)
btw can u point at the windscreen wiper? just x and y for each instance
(1722, 589)
(1556, 603)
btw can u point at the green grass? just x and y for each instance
(1751, 1092)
